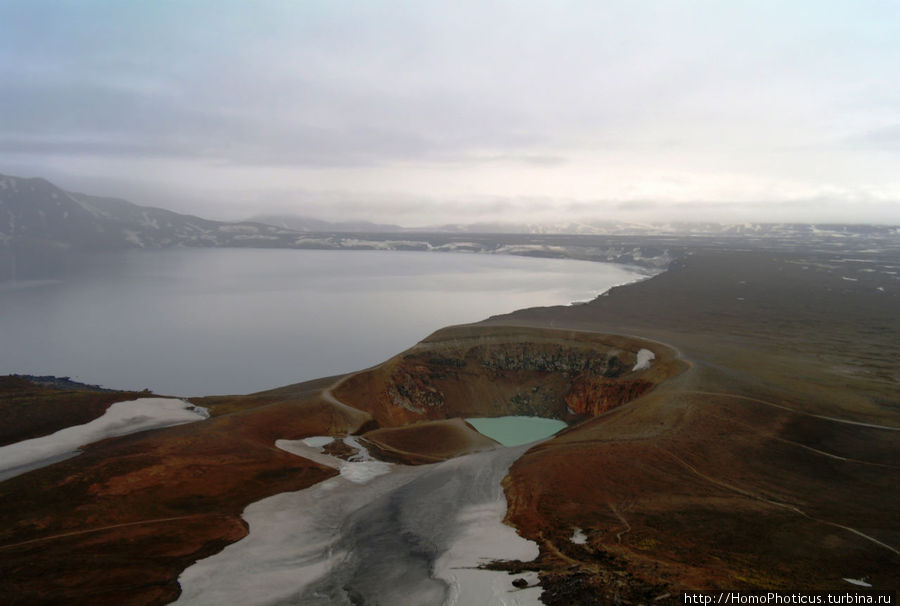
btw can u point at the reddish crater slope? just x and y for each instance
(117, 524)
(772, 463)
(136, 510)
(760, 449)
(465, 371)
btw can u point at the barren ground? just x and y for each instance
(760, 450)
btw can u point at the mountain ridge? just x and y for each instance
(36, 213)
(35, 207)
(306, 224)
(40, 223)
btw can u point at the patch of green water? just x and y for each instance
(512, 431)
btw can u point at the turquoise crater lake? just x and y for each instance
(515, 430)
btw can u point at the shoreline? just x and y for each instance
(296, 316)
(795, 344)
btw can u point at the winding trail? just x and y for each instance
(780, 504)
(619, 535)
(105, 528)
(823, 453)
(328, 392)
(794, 410)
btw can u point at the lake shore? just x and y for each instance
(739, 469)
(150, 318)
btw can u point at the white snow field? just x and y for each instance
(119, 419)
(413, 535)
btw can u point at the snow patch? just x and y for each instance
(578, 537)
(362, 467)
(364, 471)
(644, 356)
(385, 244)
(133, 237)
(518, 249)
(119, 419)
(255, 237)
(236, 229)
(149, 221)
(88, 207)
(485, 538)
(359, 468)
(859, 582)
(318, 441)
(304, 546)
(320, 241)
(460, 246)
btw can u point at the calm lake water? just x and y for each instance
(516, 430)
(198, 322)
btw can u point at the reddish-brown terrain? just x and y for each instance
(760, 449)
(493, 371)
(773, 462)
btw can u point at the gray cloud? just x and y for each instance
(652, 107)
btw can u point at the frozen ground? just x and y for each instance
(484, 538)
(119, 419)
(414, 535)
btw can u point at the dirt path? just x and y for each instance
(328, 392)
(793, 508)
(104, 528)
(622, 519)
(794, 410)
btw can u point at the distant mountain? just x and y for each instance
(34, 213)
(616, 228)
(596, 228)
(309, 225)
(39, 221)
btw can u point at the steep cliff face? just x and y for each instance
(469, 371)
(548, 357)
(593, 395)
(413, 389)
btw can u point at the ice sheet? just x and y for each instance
(410, 536)
(119, 419)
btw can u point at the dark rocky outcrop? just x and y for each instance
(464, 372)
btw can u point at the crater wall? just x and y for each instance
(472, 371)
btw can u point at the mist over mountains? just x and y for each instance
(302, 223)
(35, 213)
(37, 216)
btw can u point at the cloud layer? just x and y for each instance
(760, 111)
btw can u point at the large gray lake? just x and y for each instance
(197, 322)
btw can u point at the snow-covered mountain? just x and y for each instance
(37, 216)
(309, 224)
(599, 228)
(36, 213)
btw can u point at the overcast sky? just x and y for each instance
(430, 112)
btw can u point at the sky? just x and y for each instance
(423, 113)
